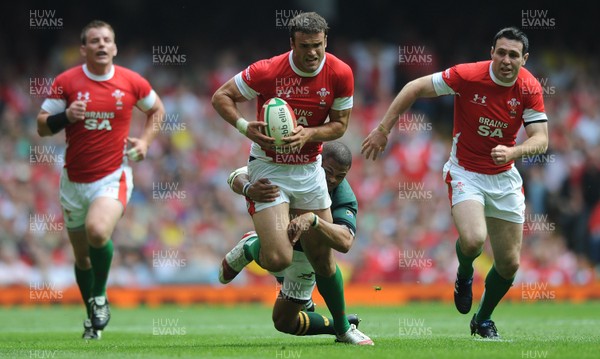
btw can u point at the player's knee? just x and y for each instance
(508, 269)
(324, 268)
(323, 262)
(471, 243)
(97, 234)
(275, 262)
(471, 249)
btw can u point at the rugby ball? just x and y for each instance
(280, 119)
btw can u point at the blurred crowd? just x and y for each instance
(183, 218)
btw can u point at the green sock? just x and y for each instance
(85, 281)
(101, 259)
(332, 290)
(252, 249)
(311, 323)
(495, 288)
(465, 264)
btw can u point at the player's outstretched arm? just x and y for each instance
(377, 140)
(337, 236)
(48, 125)
(224, 102)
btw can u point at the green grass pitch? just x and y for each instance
(419, 330)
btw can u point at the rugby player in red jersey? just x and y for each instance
(492, 100)
(317, 85)
(93, 103)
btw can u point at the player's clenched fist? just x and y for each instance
(76, 111)
(138, 150)
(502, 154)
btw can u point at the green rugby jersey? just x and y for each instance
(344, 206)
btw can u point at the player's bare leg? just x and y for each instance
(317, 251)
(101, 220)
(505, 238)
(271, 226)
(469, 220)
(272, 250)
(103, 215)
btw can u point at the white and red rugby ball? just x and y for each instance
(280, 119)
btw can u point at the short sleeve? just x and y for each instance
(56, 102)
(345, 215)
(252, 81)
(145, 95)
(447, 82)
(533, 109)
(344, 94)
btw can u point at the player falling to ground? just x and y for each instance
(93, 103)
(317, 85)
(293, 312)
(493, 99)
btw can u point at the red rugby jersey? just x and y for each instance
(488, 112)
(96, 146)
(311, 96)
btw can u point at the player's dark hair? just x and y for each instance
(308, 23)
(512, 33)
(92, 25)
(338, 152)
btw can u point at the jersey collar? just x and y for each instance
(104, 77)
(306, 74)
(497, 80)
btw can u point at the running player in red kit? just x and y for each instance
(94, 103)
(493, 99)
(316, 85)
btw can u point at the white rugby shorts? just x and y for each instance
(302, 186)
(75, 198)
(501, 194)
